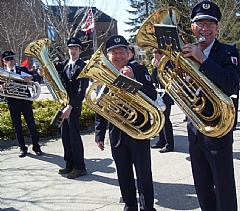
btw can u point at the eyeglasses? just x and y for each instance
(9, 59)
(210, 24)
(118, 53)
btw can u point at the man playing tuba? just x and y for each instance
(128, 151)
(76, 89)
(21, 106)
(212, 158)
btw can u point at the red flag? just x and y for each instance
(89, 25)
(25, 63)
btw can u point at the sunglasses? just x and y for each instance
(9, 59)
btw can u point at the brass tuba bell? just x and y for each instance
(188, 87)
(118, 106)
(39, 50)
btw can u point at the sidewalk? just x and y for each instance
(33, 182)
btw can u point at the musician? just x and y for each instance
(166, 140)
(70, 130)
(212, 158)
(20, 106)
(127, 151)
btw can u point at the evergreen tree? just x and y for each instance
(141, 10)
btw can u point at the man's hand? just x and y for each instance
(40, 71)
(127, 71)
(155, 62)
(66, 112)
(191, 50)
(27, 78)
(1, 88)
(100, 145)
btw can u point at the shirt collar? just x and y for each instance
(9, 69)
(208, 49)
(72, 62)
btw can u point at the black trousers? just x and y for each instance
(213, 177)
(72, 141)
(129, 153)
(16, 108)
(166, 134)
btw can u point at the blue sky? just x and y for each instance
(113, 8)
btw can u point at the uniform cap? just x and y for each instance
(115, 42)
(8, 54)
(206, 10)
(74, 41)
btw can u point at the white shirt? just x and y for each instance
(208, 49)
(9, 69)
(70, 63)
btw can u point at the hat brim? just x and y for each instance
(200, 17)
(70, 45)
(117, 46)
(6, 57)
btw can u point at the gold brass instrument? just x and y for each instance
(188, 87)
(39, 50)
(14, 86)
(118, 106)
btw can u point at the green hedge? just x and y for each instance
(44, 111)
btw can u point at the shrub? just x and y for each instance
(44, 111)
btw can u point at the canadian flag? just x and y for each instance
(89, 25)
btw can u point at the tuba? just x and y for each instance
(39, 50)
(187, 86)
(14, 86)
(119, 106)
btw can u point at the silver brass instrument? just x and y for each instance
(14, 86)
(118, 106)
(39, 50)
(187, 86)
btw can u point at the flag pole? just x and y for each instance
(94, 31)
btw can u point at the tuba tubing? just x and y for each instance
(187, 86)
(116, 102)
(39, 50)
(14, 86)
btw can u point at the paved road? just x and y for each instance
(33, 182)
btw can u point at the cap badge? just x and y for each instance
(72, 40)
(206, 6)
(6, 54)
(117, 40)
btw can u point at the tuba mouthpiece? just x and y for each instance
(201, 39)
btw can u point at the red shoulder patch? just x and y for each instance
(234, 60)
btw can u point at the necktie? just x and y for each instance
(70, 71)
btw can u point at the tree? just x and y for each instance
(17, 27)
(141, 10)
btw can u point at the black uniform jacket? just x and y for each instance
(222, 68)
(141, 74)
(76, 88)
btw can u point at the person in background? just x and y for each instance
(212, 158)
(22, 106)
(127, 151)
(166, 139)
(131, 58)
(70, 129)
